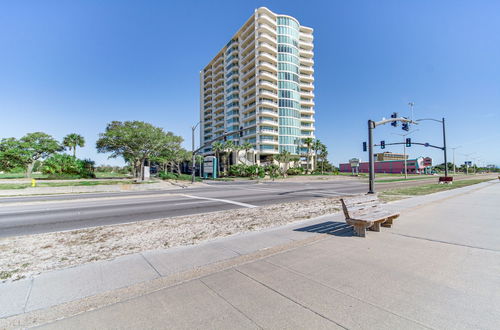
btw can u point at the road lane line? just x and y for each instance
(221, 200)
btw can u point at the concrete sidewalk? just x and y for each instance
(436, 268)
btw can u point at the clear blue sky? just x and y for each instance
(74, 66)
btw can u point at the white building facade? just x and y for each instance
(261, 86)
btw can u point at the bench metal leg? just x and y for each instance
(360, 230)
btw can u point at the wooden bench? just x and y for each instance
(366, 212)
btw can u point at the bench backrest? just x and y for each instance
(357, 202)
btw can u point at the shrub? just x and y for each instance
(272, 170)
(66, 166)
(295, 171)
(175, 176)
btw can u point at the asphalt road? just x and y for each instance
(40, 214)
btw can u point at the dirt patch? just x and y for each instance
(25, 256)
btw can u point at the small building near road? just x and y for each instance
(420, 165)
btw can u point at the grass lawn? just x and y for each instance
(21, 176)
(65, 184)
(420, 177)
(430, 188)
(109, 175)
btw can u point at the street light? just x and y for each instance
(404, 150)
(193, 165)
(454, 167)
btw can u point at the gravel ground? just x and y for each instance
(26, 256)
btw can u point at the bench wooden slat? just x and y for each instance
(366, 212)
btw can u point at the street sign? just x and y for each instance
(354, 162)
(210, 167)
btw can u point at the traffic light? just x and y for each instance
(394, 115)
(241, 131)
(225, 138)
(406, 127)
(364, 146)
(408, 142)
(382, 144)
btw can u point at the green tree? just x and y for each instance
(66, 165)
(11, 155)
(135, 141)
(170, 152)
(323, 154)
(73, 140)
(27, 150)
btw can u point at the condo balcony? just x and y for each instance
(270, 94)
(267, 37)
(307, 119)
(246, 39)
(268, 131)
(269, 112)
(268, 75)
(265, 19)
(268, 103)
(268, 84)
(248, 65)
(265, 56)
(306, 77)
(268, 121)
(306, 53)
(266, 28)
(306, 61)
(270, 66)
(267, 47)
(306, 69)
(271, 141)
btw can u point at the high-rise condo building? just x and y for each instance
(261, 86)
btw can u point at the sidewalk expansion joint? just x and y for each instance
(290, 299)
(230, 304)
(28, 295)
(445, 242)
(377, 306)
(151, 265)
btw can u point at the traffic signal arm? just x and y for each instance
(401, 119)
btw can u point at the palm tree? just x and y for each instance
(308, 142)
(284, 157)
(73, 140)
(247, 146)
(323, 154)
(217, 147)
(230, 147)
(317, 145)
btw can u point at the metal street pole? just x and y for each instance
(444, 149)
(371, 126)
(193, 160)
(404, 156)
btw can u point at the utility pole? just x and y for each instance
(193, 160)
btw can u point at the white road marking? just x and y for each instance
(82, 207)
(220, 200)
